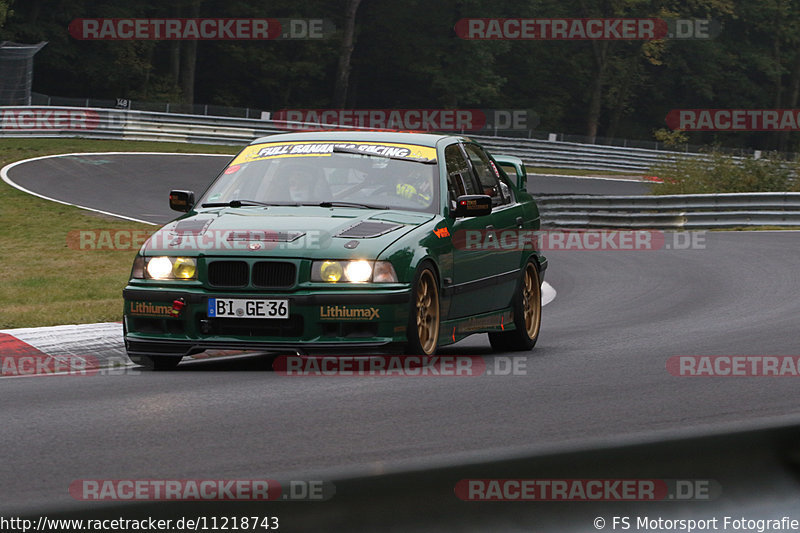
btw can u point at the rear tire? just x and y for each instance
(527, 305)
(424, 317)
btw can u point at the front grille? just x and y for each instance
(273, 274)
(257, 327)
(227, 274)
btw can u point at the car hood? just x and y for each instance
(285, 231)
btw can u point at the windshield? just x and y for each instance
(370, 175)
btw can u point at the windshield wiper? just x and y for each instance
(237, 203)
(350, 204)
(342, 150)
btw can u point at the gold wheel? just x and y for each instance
(427, 312)
(531, 301)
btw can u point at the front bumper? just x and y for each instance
(319, 322)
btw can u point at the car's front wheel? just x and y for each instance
(156, 362)
(527, 307)
(424, 317)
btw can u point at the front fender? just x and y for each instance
(419, 245)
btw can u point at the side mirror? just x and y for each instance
(182, 201)
(472, 205)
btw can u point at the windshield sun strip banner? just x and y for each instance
(258, 152)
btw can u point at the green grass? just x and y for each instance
(44, 281)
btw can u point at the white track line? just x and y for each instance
(7, 179)
(548, 293)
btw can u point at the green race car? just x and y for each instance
(342, 242)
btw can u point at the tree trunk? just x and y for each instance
(175, 53)
(345, 52)
(778, 84)
(794, 96)
(600, 49)
(189, 60)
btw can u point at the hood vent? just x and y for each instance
(193, 226)
(366, 230)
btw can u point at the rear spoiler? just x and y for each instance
(519, 169)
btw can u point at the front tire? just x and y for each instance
(527, 305)
(424, 317)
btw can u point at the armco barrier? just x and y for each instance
(539, 153)
(686, 211)
(627, 211)
(104, 123)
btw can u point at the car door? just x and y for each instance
(472, 287)
(506, 220)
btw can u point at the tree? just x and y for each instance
(5, 11)
(345, 53)
(189, 59)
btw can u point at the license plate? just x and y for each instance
(242, 308)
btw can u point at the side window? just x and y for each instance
(459, 179)
(487, 175)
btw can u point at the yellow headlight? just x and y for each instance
(331, 271)
(184, 268)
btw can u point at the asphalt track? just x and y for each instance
(596, 376)
(138, 186)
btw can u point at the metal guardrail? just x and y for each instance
(101, 123)
(539, 153)
(689, 211)
(105, 123)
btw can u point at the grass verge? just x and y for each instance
(44, 282)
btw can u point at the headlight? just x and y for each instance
(359, 271)
(184, 268)
(163, 267)
(159, 267)
(330, 271)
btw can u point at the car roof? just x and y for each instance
(421, 139)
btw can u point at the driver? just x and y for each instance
(301, 184)
(416, 187)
